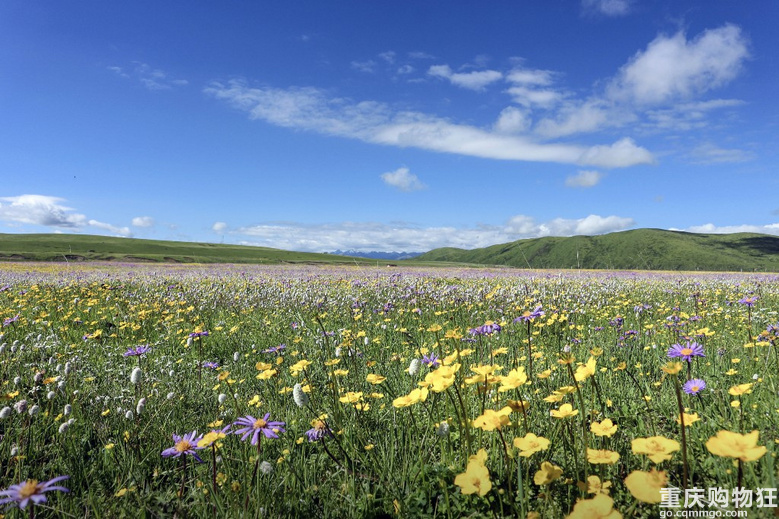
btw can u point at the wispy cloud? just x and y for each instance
(475, 80)
(48, 211)
(608, 7)
(151, 78)
(143, 221)
(375, 122)
(709, 153)
(584, 179)
(402, 179)
(401, 236)
(710, 228)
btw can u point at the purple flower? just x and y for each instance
(211, 365)
(137, 351)
(186, 444)
(687, 352)
(485, 329)
(251, 426)
(318, 431)
(9, 320)
(431, 361)
(694, 386)
(275, 349)
(30, 490)
(748, 301)
(527, 315)
(197, 335)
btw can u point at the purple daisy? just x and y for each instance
(137, 351)
(694, 386)
(318, 431)
(251, 426)
(30, 491)
(196, 335)
(275, 349)
(211, 365)
(686, 352)
(528, 315)
(431, 361)
(183, 445)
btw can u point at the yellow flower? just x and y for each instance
(735, 445)
(531, 444)
(375, 379)
(604, 428)
(689, 419)
(602, 457)
(672, 368)
(645, 486)
(595, 486)
(599, 507)
(476, 478)
(262, 366)
(585, 371)
(299, 366)
(657, 448)
(416, 395)
(741, 389)
(565, 411)
(266, 375)
(351, 397)
(547, 474)
(491, 420)
(210, 438)
(514, 379)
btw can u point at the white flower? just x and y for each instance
(221, 398)
(170, 395)
(50, 395)
(140, 406)
(236, 356)
(17, 381)
(20, 406)
(63, 427)
(5, 412)
(299, 396)
(35, 409)
(413, 368)
(266, 467)
(128, 415)
(136, 376)
(442, 429)
(67, 410)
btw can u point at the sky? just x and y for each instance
(387, 125)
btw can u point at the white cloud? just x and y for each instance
(711, 154)
(40, 210)
(219, 227)
(47, 211)
(673, 67)
(688, 116)
(364, 66)
(370, 121)
(402, 179)
(143, 221)
(476, 80)
(371, 236)
(710, 228)
(608, 7)
(388, 56)
(584, 178)
(512, 120)
(151, 78)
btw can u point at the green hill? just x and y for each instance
(79, 247)
(643, 249)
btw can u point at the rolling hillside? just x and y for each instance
(643, 249)
(79, 247)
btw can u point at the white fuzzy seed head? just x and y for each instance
(136, 376)
(299, 396)
(413, 368)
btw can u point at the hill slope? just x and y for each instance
(643, 249)
(80, 247)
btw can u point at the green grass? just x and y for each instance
(641, 249)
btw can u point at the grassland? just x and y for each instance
(641, 249)
(383, 393)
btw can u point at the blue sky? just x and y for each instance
(387, 125)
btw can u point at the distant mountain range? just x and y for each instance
(377, 254)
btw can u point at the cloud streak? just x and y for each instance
(371, 236)
(371, 121)
(403, 180)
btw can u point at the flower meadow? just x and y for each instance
(308, 391)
